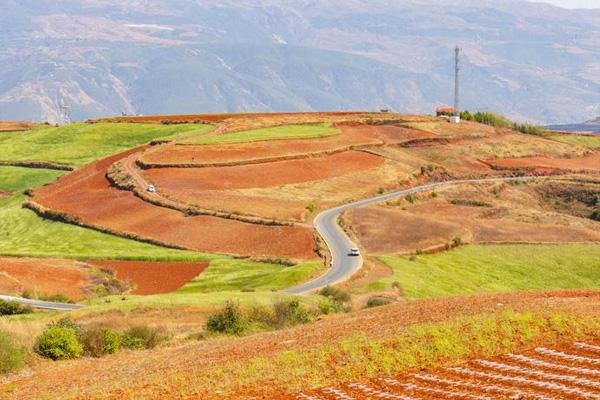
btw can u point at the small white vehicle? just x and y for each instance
(151, 188)
(354, 252)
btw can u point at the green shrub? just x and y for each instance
(13, 308)
(596, 215)
(376, 301)
(311, 207)
(67, 322)
(229, 320)
(290, 313)
(57, 298)
(335, 294)
(11, 355)
(98, 341)
(142, 337)
(58, 343)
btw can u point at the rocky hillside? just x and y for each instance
(103, 57)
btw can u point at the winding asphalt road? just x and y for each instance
(42, 305)
(339, 244)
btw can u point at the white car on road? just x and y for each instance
(354, 252)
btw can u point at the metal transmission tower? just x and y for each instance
(456, 86)
(65, 112)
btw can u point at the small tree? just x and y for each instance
(58, 343)
(229, 320)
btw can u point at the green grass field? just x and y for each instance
(228, 274)
(78, 144)
(17, 179)
(494, 268)
(591, 142)
(299, 131)
(23, 233)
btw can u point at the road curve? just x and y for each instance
(42, 305)
(339, 244)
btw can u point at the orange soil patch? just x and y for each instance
(589, 162)
(47, 276)
(192, 370)
(263, 175)
(87, 195)
(173, 154)
(154, 277)
(15, 126)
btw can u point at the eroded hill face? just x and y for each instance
(253, 184)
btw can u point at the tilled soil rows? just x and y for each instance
(590, 162)
(559, 373)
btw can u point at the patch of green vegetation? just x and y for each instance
(23, 233)
(499, 121)
(417, 347)
(495, 268)
(591, 142)
(80, 143)
(17, 179)
(226, 274)
(298, 131)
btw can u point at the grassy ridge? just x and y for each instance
(298, 131)
(591, 142)
(17, 179)
(78, 144)
(495, 268)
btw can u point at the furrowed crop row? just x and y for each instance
(369, 391)
(586, 346)
(567, 356)
(539, 374)
(337, 393)
(481, 387)
(526, 381)
(552, 365)
(446, 393)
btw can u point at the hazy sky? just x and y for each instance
(573, 3)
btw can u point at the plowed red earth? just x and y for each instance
(44, 276)
(154, 277)
(590, 162)
(263, 175)
(86, 194)
(570, 371)
(256, 151)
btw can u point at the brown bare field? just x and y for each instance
(87, 195)
(246, 153)
(199, 370)
(45, 276)
(590, 162)
(263, 175)
(497, 213)
(15, 126)
(153, 277)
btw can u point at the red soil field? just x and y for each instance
(589, 162)
(154, 277)
(47, 276)
(253, 152)
(263, 175)
(87, 195)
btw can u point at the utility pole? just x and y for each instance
(456, 90)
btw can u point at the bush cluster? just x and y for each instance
(376, 301)
(500, 121)
(11, 354)
(66, 339)
(338, 300)
(232, 320)
(13, 308)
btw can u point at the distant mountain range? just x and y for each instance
(90, 58)
(590, 126)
